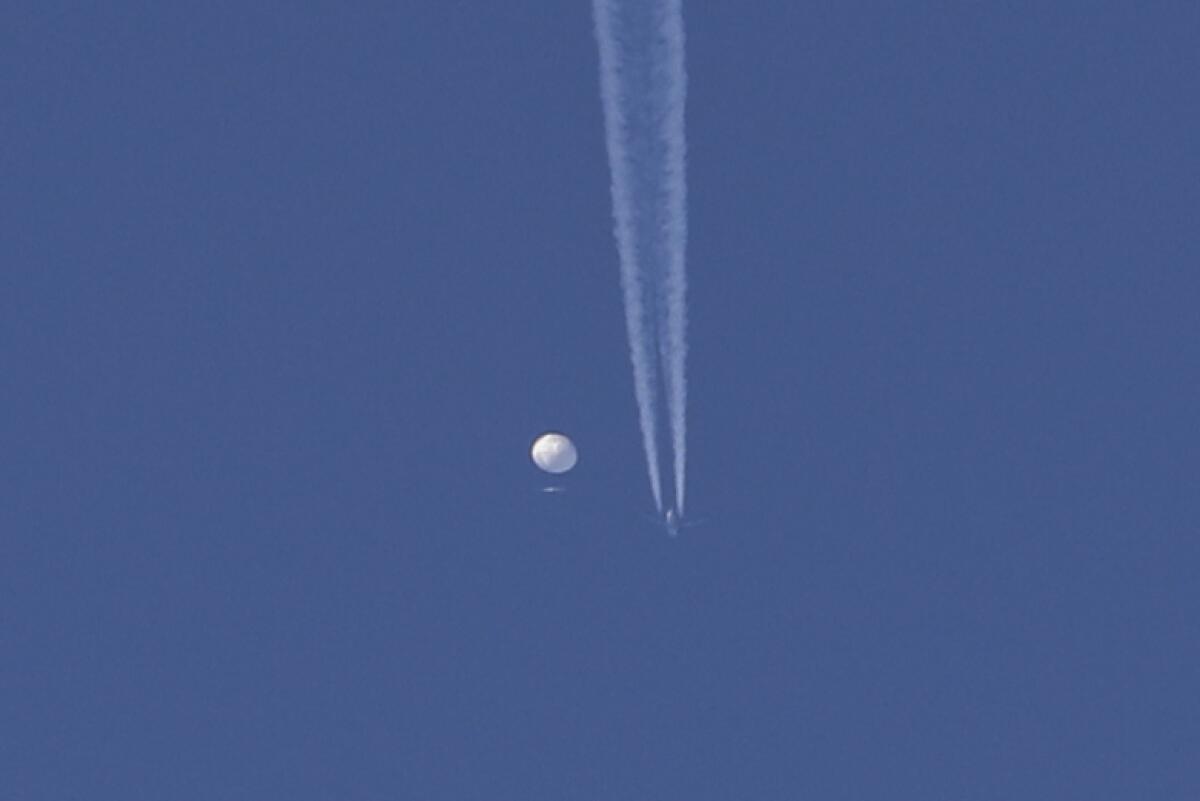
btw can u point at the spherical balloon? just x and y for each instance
(554, 453)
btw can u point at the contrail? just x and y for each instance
(642, 85)
(674, 280)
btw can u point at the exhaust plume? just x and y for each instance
(642, 85)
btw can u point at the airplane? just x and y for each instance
(672, 522)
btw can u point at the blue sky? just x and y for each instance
(288, 290)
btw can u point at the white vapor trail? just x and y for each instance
(642, 85)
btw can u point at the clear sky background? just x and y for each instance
(286, 289)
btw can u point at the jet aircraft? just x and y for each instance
(673, 522)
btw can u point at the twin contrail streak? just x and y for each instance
(642, 85)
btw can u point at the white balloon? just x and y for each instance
(554, 453)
